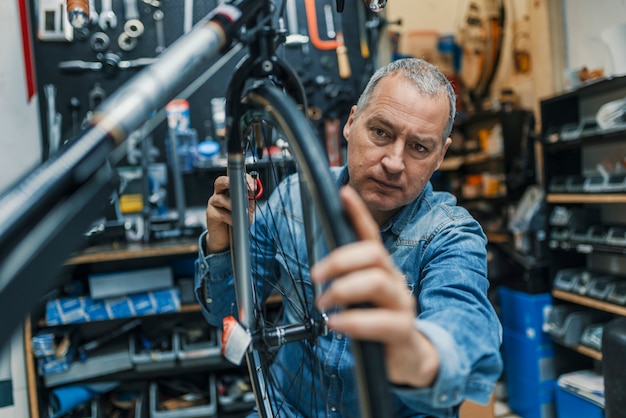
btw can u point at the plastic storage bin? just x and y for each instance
(531, 400)
(570, 405)
(601, 288)
(526, 359)
(206, 410)
(144, 358)
(567, 279)
(566, 324)
(525, 313)
(199, 347)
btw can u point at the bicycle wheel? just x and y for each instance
(289, 361)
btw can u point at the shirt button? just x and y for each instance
(332, 408)
(209, 300)
(443, 398)
(333, 376)
(339, 336)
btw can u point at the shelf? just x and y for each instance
(497, 237)
(586, 198)
(586, 248)
(527, 261)
(452, 163)
(105, 253)
(594, 138)
(589, 302)
(589, 352)
(589, 88)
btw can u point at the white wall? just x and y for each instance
(438, 15)
(584, 20)
(20, 142)
(445, 17)
(20, 149)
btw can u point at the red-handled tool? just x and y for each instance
(78, 13)
(259, 186)
(337, 44)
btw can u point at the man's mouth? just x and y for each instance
(385, 185)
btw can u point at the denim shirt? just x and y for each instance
(441, 251)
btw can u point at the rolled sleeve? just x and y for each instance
(443, 397)
(213, 277)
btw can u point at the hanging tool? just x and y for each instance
(377, 5)
(53, 21)
(160, 30)
(295, 37)
(74, 106)
(78, 13)
(311, 17)
(360, 13)
(188, 16)
(330, 24)
(107, 18)
(131, 11)
(328, 45)
(109, 64)
(342, 51)
(93, 14)
(99, 42)
(333, 141)
(54, 118)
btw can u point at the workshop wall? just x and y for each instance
(80, 69)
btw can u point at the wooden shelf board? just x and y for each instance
(102, 254)
(585, 198)
(589, 352)
(589, 302)
(497, 237)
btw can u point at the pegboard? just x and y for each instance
(328, 93)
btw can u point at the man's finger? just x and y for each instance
(364, 224)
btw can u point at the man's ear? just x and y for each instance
(349, 122)
(446, 145)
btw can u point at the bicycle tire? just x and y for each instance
(322, 211)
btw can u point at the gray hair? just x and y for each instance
(426, 77)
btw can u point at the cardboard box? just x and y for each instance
(471, 409)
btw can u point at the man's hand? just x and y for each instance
(364, 272)
(219, 216)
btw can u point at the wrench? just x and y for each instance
(130, 10)
(93, 15)
(187, 16)
(107, 18)
(160, 32)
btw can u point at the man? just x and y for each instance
(425, 265)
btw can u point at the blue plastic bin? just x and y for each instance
(570, 405)
(525, 313)
(531, 400)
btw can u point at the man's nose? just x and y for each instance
(393, 160)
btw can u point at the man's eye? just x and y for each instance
(379, 132)
(418, 147)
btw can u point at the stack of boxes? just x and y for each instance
(528, 353)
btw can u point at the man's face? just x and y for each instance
(395, 145)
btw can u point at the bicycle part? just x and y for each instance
(295, 332)
(259, 186)
(377, 5)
